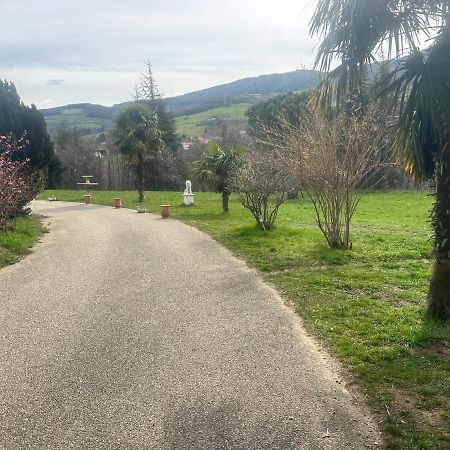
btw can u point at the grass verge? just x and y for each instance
(366, 304)
(17, 242)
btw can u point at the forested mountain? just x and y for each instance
(91, 119)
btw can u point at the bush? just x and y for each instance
(262, 184)
(17, 186)
(338, 160)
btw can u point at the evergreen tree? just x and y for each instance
(40, 148)
(166, 164)
(55, 171)
(137, 135)
(18, 119)
(214, 169)
(265, 114)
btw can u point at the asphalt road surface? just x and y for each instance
(126, 331)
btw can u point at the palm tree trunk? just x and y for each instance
(225, 197)
(140, 174)
(439, 291)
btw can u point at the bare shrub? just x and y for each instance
(337, 156)
(334, 158)
(262, 184)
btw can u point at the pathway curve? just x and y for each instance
(125, 331)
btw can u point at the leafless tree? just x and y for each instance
(115, 171)
(333, 157)
(229, 133)
(262, 184)
(337, 155)
(92, 156)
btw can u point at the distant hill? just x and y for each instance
(92, 119)
(86, 117)
(246, 90)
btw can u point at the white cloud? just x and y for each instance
(99, 47)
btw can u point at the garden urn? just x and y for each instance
(165, 211)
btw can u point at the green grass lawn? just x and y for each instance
(194, 125)
(366, 304)
(18, 241)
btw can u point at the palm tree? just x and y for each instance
(215, 167)
(137, 134)
(355, 32)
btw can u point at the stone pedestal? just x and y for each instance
(188, 199)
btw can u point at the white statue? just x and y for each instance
(188, 189)
(188, 196)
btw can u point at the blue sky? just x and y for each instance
(67, 51)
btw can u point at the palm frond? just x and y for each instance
(137, 131)
(354, 31)
(419, 88)
(215, 166)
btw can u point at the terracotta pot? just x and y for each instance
(87, 199)
(118, 202)
(165, 211)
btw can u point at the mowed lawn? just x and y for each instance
(367, 304)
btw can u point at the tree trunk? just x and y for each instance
(439, 291)
(293, 193)
(140, 174)
(347, 218)
(225, 197)
(110, 182)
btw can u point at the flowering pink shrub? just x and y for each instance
(16, 185)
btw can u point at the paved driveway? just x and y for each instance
(125, 331)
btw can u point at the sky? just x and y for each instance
(72, 51)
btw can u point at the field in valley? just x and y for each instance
(196, 125)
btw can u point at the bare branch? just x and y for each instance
(334, 160)
(262, 184)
